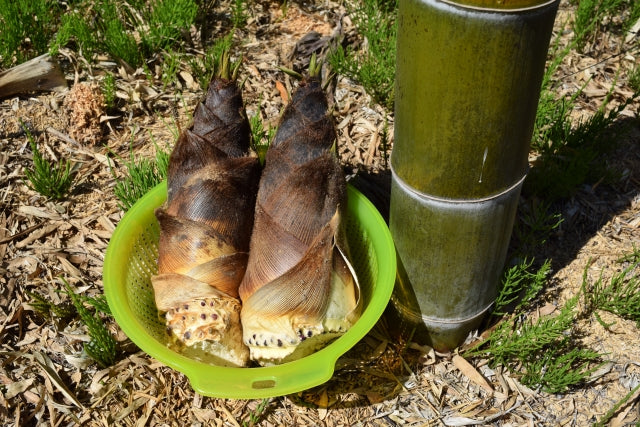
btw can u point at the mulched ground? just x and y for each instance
(45, 378)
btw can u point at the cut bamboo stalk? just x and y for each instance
(467, 86)
(38, 74)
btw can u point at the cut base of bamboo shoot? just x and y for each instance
(276, 340)
(208, 329)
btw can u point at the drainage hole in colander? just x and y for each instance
(261, 384)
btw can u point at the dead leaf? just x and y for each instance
(37, 235)
(283, 91)
(15, 388)
(130, 409)
(633, 32)
(204, 415)
(37, 212)
(547, 309)
(98, 382)
(4, 234)
(105, 118)
(48, 368)
(188, 79)
(374, 397)
(323, 403)
(470, 372)
(464, 421)
(428, 356)
(68, 267)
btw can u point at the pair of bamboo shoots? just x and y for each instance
(253, 263)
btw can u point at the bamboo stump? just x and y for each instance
(467, 85)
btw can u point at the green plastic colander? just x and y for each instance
(130, 262)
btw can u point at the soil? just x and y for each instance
(47, 379)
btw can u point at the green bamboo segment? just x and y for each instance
(468, 80)
(461, 248)
(467, 88)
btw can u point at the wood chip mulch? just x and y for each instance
(47, 379)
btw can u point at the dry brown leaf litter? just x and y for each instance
(46, 379)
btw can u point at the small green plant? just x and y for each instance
(590, 14)
(166, 21)
(204, 68)
(256, 414)
(117, 40)
(620, 297)
(74, 27)
(564, 366)
(631, 257)
(260, 137)
(170, 69)
(535, 225)
(284, 7)
(128, 32)
(552, 120)
(102, 348)
(634, 79)
(27, 28)
(519, 286)
(48, 309)
(160, 26)
(51, 179)
(552, 112)
(545, 351)
(99, 303)
(142, 176)
(571, 155)
(162, 161)
(239, 13)
(109, 90)
(374, 66)
(587, 17)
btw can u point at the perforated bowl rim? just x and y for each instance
(252, 382)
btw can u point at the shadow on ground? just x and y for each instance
(593, 204)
